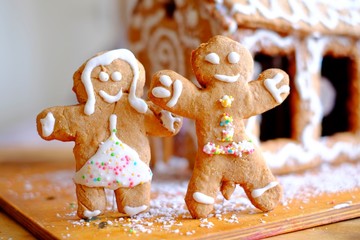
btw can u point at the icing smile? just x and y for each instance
(227, 78)
(110, 98)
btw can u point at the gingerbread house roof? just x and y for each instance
(304, 17)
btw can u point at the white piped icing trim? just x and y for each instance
(270, 84)
(47, 124)
(90, 214)
(146, 26)
(105, 59)
(202, 198)
(177, 90)
(110, 98)
(226, 78)
(260, 191)
(265, 38)
(131, 211)
(295, 154)
(306, 11)
(163, 47)
(191, 19)
(168, 120)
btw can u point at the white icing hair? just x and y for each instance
(105, 59)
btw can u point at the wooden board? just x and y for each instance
(41, 197)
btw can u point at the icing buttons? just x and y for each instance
(226, 101)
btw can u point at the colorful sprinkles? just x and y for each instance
(114, 165)
(226, 101)
(236, 149)
(233, 148)
(227, 122)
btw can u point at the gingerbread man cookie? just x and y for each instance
(226, 156)
(109, 127)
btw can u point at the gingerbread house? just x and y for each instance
(316, 41)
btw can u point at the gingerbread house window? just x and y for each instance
(334, 94)
(274, 123)
(170, 8)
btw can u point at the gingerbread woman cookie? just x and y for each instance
(109, 127)
(226, 156)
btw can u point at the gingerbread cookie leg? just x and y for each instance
(132, 201)
(202, 189)
(227, 189)
(91, 201)
(261, 186)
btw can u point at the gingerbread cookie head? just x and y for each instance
(221, 59)
(99, 80)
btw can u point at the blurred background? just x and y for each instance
(42, 43)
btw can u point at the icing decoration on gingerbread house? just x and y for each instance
(317, 42)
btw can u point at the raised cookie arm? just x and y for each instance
(161, 123)
(57, 123)
(268, 91)
(174, 93)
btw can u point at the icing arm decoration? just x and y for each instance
(176, 94)
(165, 80)
(168, 120)
(161, 92)
(47, 124)
(270, 84)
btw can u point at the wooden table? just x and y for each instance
(30, 199)
(349, 229)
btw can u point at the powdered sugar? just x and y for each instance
(326, 179)
(168, 213)
(168, 210)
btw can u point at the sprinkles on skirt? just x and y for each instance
(114, 165)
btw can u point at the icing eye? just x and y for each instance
(116, 76)
(212, 58)
(103, 76)
(233, 57)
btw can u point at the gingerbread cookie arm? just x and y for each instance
(160, 122)
(174, 93)
(55, 123)
(268, 91)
